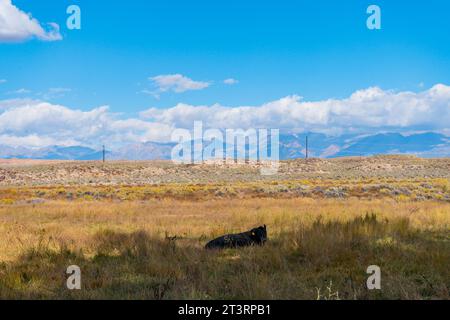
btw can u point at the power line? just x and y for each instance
(306, 147)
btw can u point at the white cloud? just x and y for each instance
(34, 141)
(32, 123)
(364, 109)
(25, 122)
(11, 103)
(2, 81)
(176, 83)
(230, 81)
(16, 25)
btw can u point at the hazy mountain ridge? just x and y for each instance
(291, 146)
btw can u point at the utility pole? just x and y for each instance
(103, 153)
(306, 155)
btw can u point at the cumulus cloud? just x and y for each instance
(175, 83)
(25, 122)
(364, 109)
(11, 103)
(32, 123)
(230, 81)
(34, 141)
(16, 25)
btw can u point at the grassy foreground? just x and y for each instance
(153, 249)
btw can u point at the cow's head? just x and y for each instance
(259, 235)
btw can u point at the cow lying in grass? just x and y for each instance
(256, 236)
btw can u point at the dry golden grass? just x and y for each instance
(318, 248)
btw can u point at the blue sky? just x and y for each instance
(317, 50)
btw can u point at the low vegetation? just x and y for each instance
(138, 229)
(319, 248)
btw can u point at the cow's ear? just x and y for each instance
(265, 227)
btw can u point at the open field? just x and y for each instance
(144, 240)
(397, 177)
(42, 172)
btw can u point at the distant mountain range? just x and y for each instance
(291, 146)
(424, 144)
(50, 153)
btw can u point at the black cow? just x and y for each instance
(256, 236)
